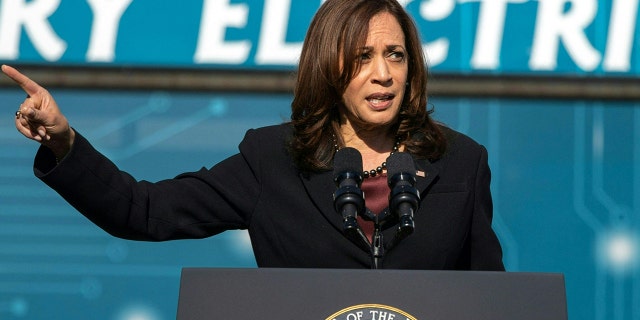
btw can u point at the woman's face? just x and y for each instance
(374, 96)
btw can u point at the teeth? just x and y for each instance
(376, 101)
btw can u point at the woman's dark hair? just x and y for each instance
(337, 32)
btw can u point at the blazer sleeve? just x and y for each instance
(485, 252)
(192, 205)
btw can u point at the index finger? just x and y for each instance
(29, 86)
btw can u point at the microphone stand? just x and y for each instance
(377, 247)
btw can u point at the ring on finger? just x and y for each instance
(18, 114)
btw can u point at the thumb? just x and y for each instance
(32, 119)
(31, 113)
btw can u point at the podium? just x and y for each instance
(336, 294)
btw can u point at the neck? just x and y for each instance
(379, 140)
(375, 146)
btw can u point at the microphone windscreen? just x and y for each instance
(347, 159)
(400, 162)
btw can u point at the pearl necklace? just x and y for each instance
(373, 172)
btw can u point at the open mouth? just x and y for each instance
(380, 100)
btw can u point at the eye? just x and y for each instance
(397, 56)
(364, 56)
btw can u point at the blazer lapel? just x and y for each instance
(426, 173)
(320, 188)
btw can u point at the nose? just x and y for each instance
(381, 72)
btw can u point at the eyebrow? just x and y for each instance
(390, 47)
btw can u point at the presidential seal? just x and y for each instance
(371, 312)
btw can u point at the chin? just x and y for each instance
(377, 122)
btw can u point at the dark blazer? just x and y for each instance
(289, 215)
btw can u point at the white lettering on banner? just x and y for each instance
(434, 10)
(621, 36)
(104, 31)
(557, 23)
(554, 25)
(34, 17)
(489, 33)
(272, 48)
(217, 15)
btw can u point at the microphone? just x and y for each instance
(404, 197)
(348, 198)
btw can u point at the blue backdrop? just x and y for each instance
(566, 173)
(566, 185)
